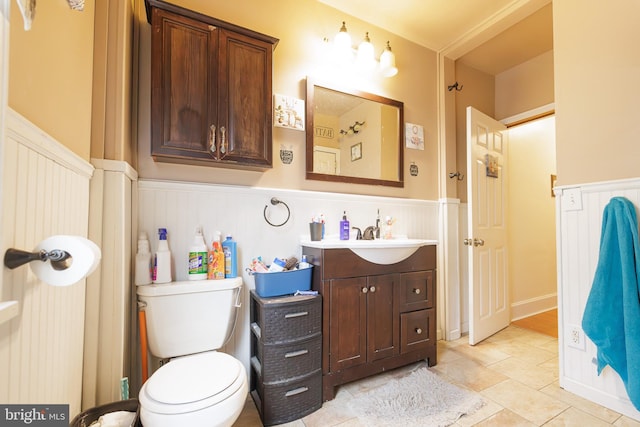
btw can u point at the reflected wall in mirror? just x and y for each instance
(353, 136)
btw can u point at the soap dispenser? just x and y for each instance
(344, 227)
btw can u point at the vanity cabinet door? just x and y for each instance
(382, 316)
(348, 323)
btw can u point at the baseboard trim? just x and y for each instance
(530, 307)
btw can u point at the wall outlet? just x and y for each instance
(575, 337)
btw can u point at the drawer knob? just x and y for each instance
(416, 291)
(365, 290)
(418, 331)
(372, 289)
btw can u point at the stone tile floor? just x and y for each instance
(515, 371)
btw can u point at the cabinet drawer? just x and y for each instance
(416, 291)
(283, 402)
(281, 362)
(417, 330)
(282, 319)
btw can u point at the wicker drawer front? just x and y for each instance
(280, 362)
(417, 330)
(416, 291)
(277, 320)
(283, 402)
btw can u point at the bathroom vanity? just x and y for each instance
(375, 317)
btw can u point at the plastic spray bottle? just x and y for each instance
(162, 260)
(216, 258)
(143, 260)
(198, 257)
(229, 247)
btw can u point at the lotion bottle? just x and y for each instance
(162, 260)
(198, 257)
(229, 247)
(143, 260)
(344, 227)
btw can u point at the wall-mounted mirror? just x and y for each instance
(353, 136)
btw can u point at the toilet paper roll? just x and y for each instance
(86, 257)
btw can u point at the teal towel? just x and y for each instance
(612, 314)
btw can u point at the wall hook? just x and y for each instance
(275, 201)
(456, 174)
(456, 86)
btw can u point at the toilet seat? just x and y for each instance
(192, 383)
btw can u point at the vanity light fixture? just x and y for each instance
(364, 56)
(353, 129)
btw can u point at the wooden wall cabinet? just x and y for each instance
(211, 90)
(375, 317)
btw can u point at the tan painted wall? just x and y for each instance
(524, 87)
(477, 91)
(531, 210)
(301, 25)
(596, 90)
(50, 71)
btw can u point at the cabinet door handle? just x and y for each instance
(212, 138)
(296, 391)
(223, 139)
(296, 353)
(418, 331)
(365, 290)
(299, 314)
(372, 289)
(416, 291)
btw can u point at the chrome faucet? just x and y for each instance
(378, 225)
(370, 233)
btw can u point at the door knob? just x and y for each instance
(467, 242)
(478, 242)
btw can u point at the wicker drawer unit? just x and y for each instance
(286, 356)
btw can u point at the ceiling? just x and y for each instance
(488, 35)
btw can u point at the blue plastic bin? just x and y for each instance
(283, 282)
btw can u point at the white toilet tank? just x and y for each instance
(191, 316)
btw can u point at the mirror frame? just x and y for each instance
(310, 107)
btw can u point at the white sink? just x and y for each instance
(380, 251)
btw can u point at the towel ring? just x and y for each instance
(275, 201)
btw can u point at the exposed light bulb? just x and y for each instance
(366, 55)
(342, 43)
(388, 62)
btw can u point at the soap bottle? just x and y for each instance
(344, 227)
(216, 259)
(143, 260)
(162, 260)
(230, 257)
(198, 257)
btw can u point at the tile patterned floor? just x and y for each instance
(515, 371)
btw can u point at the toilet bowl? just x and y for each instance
(202, 390)
(187, 322)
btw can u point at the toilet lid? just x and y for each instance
(200, 380)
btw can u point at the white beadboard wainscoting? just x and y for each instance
(239, 211)
(579, 224)
(45, 192)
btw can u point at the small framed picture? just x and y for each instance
(356, 151)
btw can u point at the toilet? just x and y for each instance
(186, 323)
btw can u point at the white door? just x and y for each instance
(326, 160)
(487, 141)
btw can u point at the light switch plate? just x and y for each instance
(572, 199)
